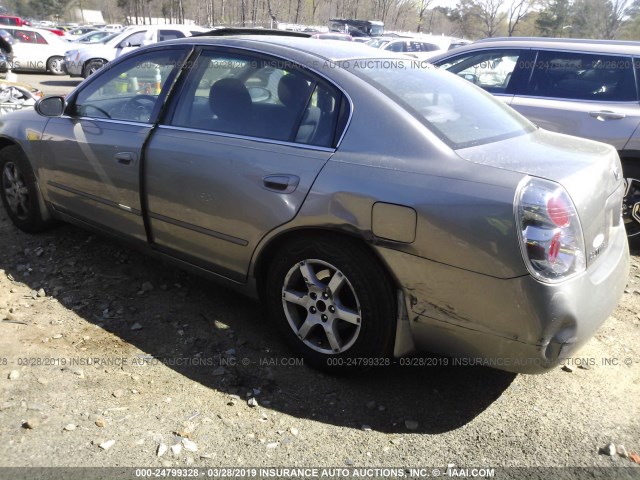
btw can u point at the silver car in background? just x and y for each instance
(586, 88)
(375, 206)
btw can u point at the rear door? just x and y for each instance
(241, 146)
(588, 95)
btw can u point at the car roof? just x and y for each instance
(333, 50)
(576, 44)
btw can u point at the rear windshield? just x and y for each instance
(459, 113)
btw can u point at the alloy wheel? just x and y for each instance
(631, 207)
(321, 306)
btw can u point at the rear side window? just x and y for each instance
(580, 76)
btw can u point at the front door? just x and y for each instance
(93, 152)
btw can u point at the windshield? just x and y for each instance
(459, 113)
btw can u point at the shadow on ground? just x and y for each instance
(184, 316)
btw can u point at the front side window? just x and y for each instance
(258, 98)
(164, 35)
(396, 47)
(581, 76)
(130, 90)
(134, 40)
(490, 70)
(453, 109)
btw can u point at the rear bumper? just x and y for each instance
(518, 324)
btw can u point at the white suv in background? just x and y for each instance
(83, 61)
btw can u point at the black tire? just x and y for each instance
(91, 67)
(365, 292)
(54, 66)
(631, 202)
(17, 174)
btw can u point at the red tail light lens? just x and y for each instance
(550, 233)
(558, 211)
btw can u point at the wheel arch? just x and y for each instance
(7, 142)
(265, 252)
(93, 59)
(45, 213)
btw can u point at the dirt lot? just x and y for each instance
(107, 356)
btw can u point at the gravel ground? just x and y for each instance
(108, 358)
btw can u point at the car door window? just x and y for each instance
(490, 70)
(134, 40)
(27, 36)
(421, 47)
(581, 76)
(258, 98)
(129, 90)
(397, 47)
(164, 35)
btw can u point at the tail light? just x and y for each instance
(550, 233)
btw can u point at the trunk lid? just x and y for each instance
(589, 171)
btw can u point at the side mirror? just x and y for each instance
(50, 106)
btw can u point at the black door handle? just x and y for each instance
(126, 158)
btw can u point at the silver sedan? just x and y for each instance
(376, 206)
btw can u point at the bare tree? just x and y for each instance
(271, 14)
(517, 11)
(422, 10)
(619, 9)
(314, 8)
(491, 15)
(297, 17)
(402, 8)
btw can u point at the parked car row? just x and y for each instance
(451, 224)
(85, 60)
(37, 49)
(423, 47)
